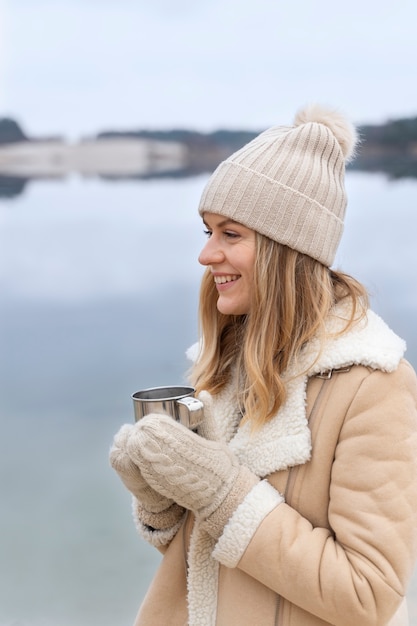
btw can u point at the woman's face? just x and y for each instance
(230, 255)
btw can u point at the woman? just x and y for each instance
(296, 502)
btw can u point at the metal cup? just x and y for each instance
(177, 401)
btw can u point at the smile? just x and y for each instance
(220, 280)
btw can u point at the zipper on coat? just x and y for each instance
(292, 472)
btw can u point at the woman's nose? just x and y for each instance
(211, 253)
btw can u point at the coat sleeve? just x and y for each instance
(357, 571)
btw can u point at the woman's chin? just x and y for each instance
(230, 308)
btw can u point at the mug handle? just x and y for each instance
(190, 412)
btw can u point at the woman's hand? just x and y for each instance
(201, 475)
(130, 473)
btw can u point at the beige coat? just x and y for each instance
(341, 549)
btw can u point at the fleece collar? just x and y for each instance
(285, 440)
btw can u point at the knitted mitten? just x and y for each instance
(200, 475)
(154, 509)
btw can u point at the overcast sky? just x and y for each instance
(75, 67)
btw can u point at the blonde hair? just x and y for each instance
(291, 298)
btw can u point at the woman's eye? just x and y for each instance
(227, 233)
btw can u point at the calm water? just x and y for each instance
(99, 285)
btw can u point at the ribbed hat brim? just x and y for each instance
(273, 209)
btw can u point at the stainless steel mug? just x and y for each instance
(176, 401)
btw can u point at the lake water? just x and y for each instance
(99, 287)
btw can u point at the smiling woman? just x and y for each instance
(283, 500)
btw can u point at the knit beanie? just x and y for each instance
(288, 183)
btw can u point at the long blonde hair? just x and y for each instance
(291, 298)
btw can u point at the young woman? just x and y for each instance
(295, 504)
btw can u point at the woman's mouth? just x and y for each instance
(228, 278)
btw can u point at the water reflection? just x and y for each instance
(395, 168)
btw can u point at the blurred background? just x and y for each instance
(112, 116)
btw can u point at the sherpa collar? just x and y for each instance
(285, 440)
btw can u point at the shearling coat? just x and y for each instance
(329, 535)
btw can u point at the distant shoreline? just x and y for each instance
(390, 148)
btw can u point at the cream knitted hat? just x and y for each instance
(288, 183)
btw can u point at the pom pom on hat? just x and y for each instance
(288, 183)
(342, 129)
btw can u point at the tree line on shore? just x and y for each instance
(390, 148)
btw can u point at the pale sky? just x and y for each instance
(75, 67)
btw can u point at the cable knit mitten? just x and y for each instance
(154, 509)
(201, 475)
